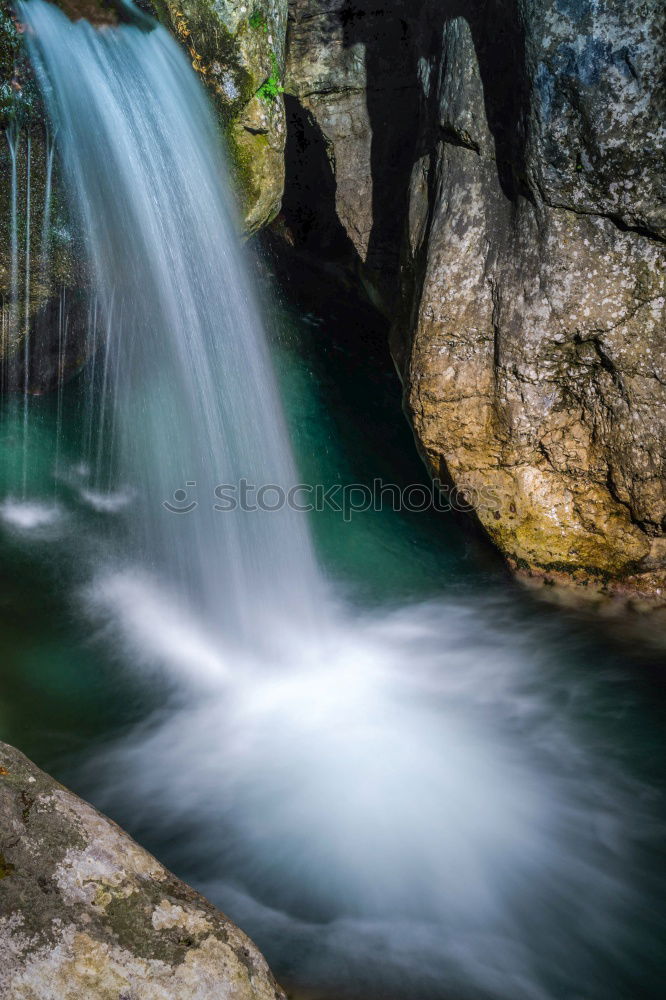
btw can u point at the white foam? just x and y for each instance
(106, 503)
(30, 515)
(412, 773)
(155, 628)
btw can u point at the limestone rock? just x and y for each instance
(496, 168)
(532, 338)
(86, 912)
(238, 49)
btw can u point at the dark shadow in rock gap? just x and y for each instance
(394, 102)
(56, 348)
(349, 358)
(308, 205)
(396, 36)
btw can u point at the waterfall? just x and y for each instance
(188, 396)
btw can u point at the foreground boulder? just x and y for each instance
(87, 913)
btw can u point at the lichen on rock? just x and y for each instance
(532, 338)
(86, 912)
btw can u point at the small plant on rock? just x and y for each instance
(271, 88)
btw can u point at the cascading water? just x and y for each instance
(398, 804)
(188, 399)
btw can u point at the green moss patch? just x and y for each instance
(6, 868)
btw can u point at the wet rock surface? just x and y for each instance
(41, 265)
(238, 49)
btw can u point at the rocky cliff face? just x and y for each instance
(86, 913)
(525, 197)
(532, 341)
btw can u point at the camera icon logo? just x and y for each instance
(181, 504)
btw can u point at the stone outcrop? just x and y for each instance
(532, 341)
(238, 49)
(87, 913)
(512, 154)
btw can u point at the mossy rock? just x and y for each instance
(86, 912)
(238, 49)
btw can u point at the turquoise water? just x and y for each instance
(61, 684)
(472, 808)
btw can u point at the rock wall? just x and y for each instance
(532, 337)
(351, 88)
(529, 223)
(86, 913)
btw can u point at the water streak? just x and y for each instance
(26, 315)
(12, 136)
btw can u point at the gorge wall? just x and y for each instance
(494, 173)
(238, 49)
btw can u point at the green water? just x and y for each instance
(63, 686)
(68, 688)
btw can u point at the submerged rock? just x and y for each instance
(87, 913)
